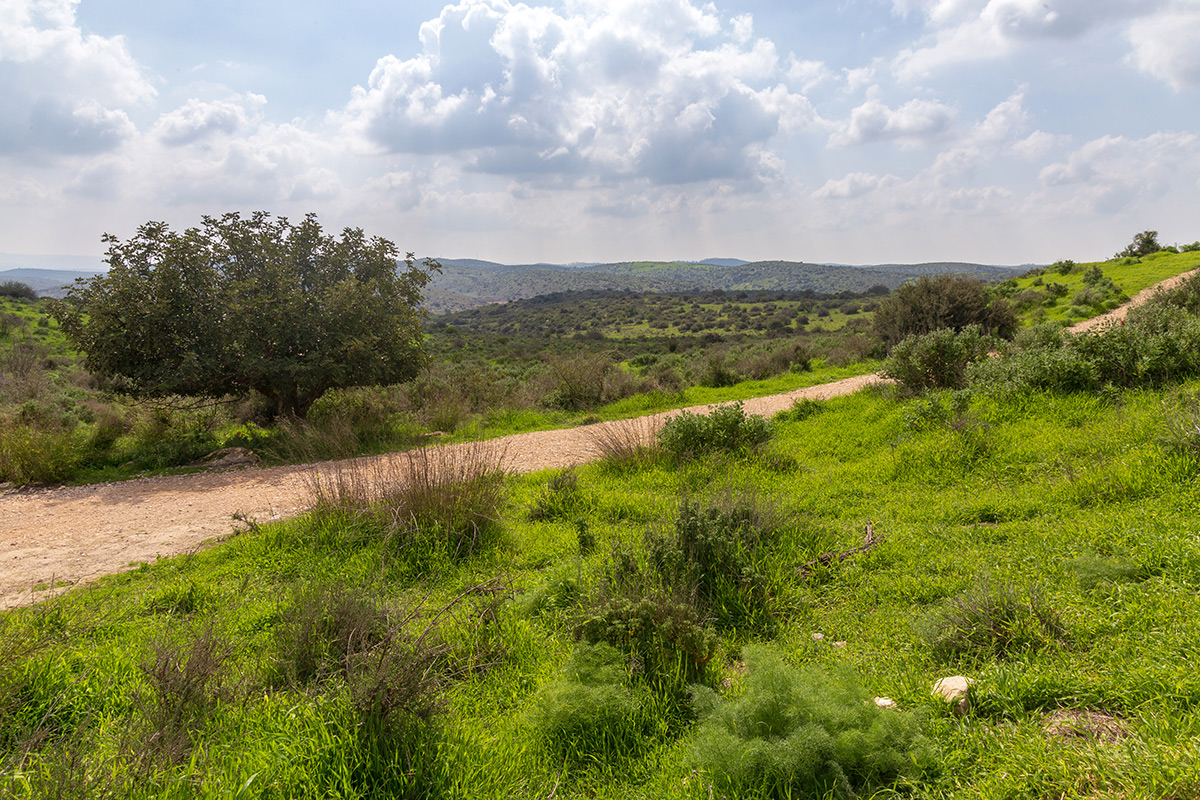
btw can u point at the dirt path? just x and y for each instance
(71, 535)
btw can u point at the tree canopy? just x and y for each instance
(259, 303)
(942, 301)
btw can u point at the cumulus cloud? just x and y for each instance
(856, 184)
(1164, 45)
(64, 92)
(662, 90)
(972, 30)
(1106, 174)
(197, 121)
(915, 123)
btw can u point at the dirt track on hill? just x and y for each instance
(65, 536)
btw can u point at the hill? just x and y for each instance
(466, 282)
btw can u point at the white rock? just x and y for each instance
(885, 702)
(818, 637)
(956, 691)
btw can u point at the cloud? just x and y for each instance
(1108, 173)
(659, 90)
(64, 92)
(973, 30)
(1165, 45)
(196, 121)
(856, 184)
(915, 123)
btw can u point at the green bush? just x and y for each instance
(942, 301)
(802, 733)
(936, 360)
(726, 429)
(17, 289)
(710, 559)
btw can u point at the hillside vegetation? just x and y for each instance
(550, 361)
(627, 629)
(733, 607)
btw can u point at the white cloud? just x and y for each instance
(196, 121)
(1165, 44)
(21, 191)
(856, 184)
(915, 123)
(1108, 173)
(1037, 145)
(63, 92)
(615, 90)
(973, 30)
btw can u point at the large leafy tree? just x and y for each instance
(259, 303)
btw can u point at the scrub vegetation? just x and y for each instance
(699, 614)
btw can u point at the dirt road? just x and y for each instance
(70, 535)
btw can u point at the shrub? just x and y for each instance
(725, 429)
(710, 559)
(17, 289)
(1143, 244)
(801, 410)
(936, 360)
(942, 301)
(802, 733)
(993, 621)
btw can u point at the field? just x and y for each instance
(1041, 545)
(734, 607)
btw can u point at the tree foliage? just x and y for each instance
(942, 301)
(1143, 244)
(259, 303)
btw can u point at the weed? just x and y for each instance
(185, 686)
(801, 410)
(625, 445)
(559, 499)
(993, 621)
(452, 494)
(802, 733)
(590, 716)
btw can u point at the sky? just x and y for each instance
(847, 131)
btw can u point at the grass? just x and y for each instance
(1131, 275)
(1043, 545)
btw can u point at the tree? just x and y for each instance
(240, 304)
(1143, 244)
(942, 301)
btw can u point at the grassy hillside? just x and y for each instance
(1042, 545)
(1066, 292)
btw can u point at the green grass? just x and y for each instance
(1131, 277)
(1085, 503)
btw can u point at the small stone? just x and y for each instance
(818, 637)
(885, 702)
(839, 644)
(956, 691)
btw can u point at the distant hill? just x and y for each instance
(468, 282)
(46, 282)
(461, 285)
